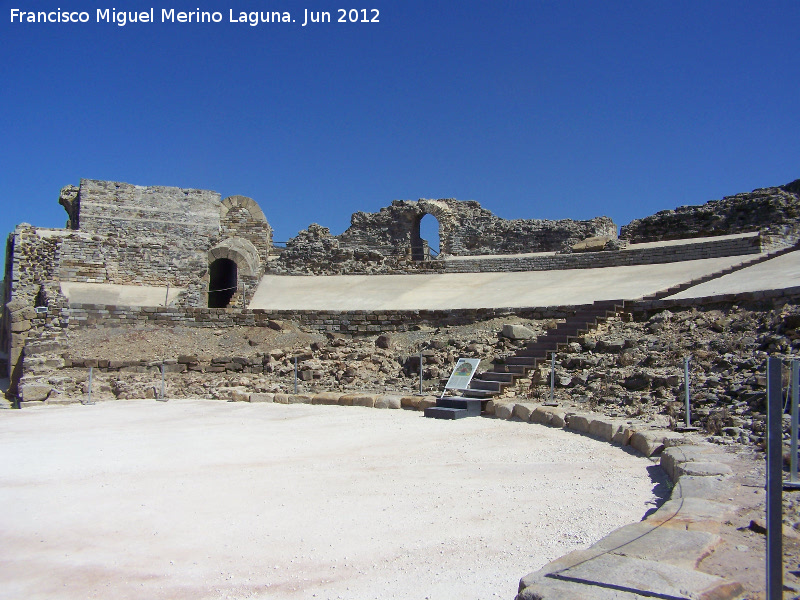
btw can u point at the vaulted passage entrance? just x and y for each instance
(223, 279)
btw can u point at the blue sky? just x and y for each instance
(535, 109)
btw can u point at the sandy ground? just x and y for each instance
(202, 499)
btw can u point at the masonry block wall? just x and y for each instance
(139, 235)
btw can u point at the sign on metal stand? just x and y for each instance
(774, 568)
(462, 374)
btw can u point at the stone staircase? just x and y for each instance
(505, 373)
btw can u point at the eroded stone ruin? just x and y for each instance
(184, 263)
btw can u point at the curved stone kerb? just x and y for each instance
(240, 251)
(242, 202)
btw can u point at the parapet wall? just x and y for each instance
(709, 248)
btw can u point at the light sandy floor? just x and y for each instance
(201, 499)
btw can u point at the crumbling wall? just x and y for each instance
(774, 210)
(389, 240)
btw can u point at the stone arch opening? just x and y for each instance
(425, 237)
(223, 281)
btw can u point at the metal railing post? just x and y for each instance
(795, 419)
(163, 386)
(774, 567)
(553, 378)
(420, 373)
(686, 389)
(89, 400)
(295, 374)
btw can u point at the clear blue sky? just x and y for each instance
(556, 109)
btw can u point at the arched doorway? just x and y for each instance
(425, 238)
(223, 280)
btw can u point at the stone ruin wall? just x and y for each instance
(388, 241)
(125, 234)
(137, 235)
(119, 233)
(774, 211)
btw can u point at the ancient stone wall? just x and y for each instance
(389, 241)
(144, 235)
(774, 209)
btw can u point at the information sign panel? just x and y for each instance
(462, 373)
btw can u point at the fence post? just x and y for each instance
(774, 480)
(89, 400)
(553, 378)
(686, 388)
(795, 421)
(420, 373)
(162, 397)
(295, 374)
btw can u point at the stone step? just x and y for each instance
(529, 361)
(443, 412)
(493, 386)
(497, 376)
(473, 393)
(471, 405)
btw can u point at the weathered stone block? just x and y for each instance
(329, 398)
(261, 397)
(300, 399)
(517, 332)
(35, 392)
(550, 416)
(523, 411)
(387, 401)
(240, 396)
(579, 423)
(504, 410)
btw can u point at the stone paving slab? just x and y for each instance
(583, 576)
(657, 557)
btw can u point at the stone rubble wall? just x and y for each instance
(355, 322)
(389, 241)
(768, 209)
